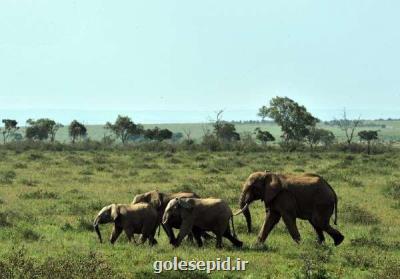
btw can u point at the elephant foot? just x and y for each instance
(239, 244)
(339, 239)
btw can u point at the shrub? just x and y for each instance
(30, 235)
(4, 220)
(40, 194)
(17, 264)
(7, 177)
(393, 190)
(357, 215)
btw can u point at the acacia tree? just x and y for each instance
(76, 130)
(42, 129)
(294, 119)
(348, 126)
(223, 130)
(368, 136)
(124, 127)
(10, 128)
(264, 136)
(158, 134)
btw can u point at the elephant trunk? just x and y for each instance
(244, 205)
(96, 228)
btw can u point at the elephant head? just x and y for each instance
(154, 198)
(174, 208)
(259, 186)
(106, 215)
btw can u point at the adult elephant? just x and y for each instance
(159, 201)
(289, 197)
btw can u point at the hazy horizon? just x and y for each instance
(97, 117)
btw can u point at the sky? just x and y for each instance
(180, 61)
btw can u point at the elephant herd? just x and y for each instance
(287, 197)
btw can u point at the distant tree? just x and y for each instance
(224, 130)
(317, 136)
(348, 126)
(294, 119)
(368, 136)
(76, 130)
(123, 128)
(42, 129)
(10, 128)
(158, 134)
(264, 136)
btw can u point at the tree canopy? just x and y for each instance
(294, 119)
(124, 127)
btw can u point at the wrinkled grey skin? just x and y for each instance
(159, 201)
(307, 196)
(131, 218)
(201, 214)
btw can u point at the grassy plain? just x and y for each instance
(48, 201)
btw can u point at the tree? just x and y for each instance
(264, 136)
(10, 128)
(76, 130)
(42, 128)
(158, 134)
(317, 136)
(368, 136)
(224, 130)
(124, 127)
(293, 119)
(348, 126)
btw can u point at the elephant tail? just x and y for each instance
(233, 227)
(336, 201)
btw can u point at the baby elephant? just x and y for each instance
(201, 215)
(138, 218)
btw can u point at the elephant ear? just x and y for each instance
(156, 199)
(114, 211)
(184, 204)
(273, 186)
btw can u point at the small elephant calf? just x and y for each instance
(201, 215)
(138, 218)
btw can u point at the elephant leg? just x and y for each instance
(197, 236)
(320, 233)
(290, 223)
(236, 242)
(219, 241)
(143, 239)
(170, 233)
(270, 221)
(185, 228)
(190, 237)
(115, 234)
(335, 234)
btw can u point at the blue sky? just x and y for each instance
(160, 60)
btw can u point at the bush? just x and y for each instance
(40, 194)
(7, 177)
(17, 264)
(357, 215)
(393, 190)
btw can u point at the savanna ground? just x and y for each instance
(48, 201)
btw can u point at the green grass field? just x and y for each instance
(390, 133)
(48, 201)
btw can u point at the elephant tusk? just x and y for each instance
(241, 210)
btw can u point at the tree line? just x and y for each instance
(298, 127)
